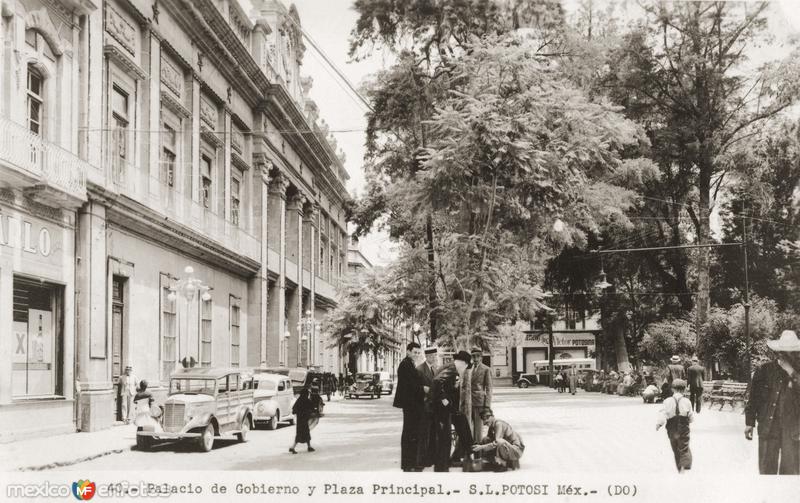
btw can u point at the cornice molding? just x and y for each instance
(124, 61)
(175, 105)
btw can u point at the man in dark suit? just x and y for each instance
(445, 401)
(697, 374)
(774, 404)
(481, 391)
(426, 435)
(410, 396)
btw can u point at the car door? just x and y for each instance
(284, 395)
(223, 403)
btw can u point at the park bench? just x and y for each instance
(730, 392)
(711, 388)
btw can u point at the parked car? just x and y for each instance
(387, 385)
(203, 404)
(273, 398)
(303, 377)
(525, 380)
(367, 384)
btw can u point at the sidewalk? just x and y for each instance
(66, 449)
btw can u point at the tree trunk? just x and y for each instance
(620, 349)
(433, 304)
(704, 237)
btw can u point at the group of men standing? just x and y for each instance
(436, 400)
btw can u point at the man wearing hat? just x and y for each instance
(774, 404)
(481, 390)
(445, 401)
(696, 374)
(128, 385)
(426, 438)
(675, 370)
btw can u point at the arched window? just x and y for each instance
(35, 100)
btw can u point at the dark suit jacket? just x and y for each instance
(697, 374)
(445, 387)
(769, 382)
(675, 371)
(409, 393)
(481, 386)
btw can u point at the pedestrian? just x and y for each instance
(410, 396)
(142, 401)
(127, 390)
(696, 374)
(426, 435)
(481, 390)
(650, 393)
(559, 379)
(676, 414)
(303, 409)
(462, 419)
(675, 370)
(572, 376)
(774, 404)
(445, 397)
(318, 408)
(502, 446)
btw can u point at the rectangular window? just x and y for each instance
(235, 313)
(117, 324)
(35, 101)
(37, 339)
(169, 328)
(322, 261)
(236, 191)
(119, 148)
(205, 332)
(168, 148)
(205, 181)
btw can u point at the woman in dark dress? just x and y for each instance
(303, 409)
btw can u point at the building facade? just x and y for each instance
(166, 192)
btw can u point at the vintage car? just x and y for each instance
(203, 404)
(272, 400)
(387, 385)
(367, 384)
(303, 377)
(526, 380)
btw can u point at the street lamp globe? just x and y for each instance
(188, 269)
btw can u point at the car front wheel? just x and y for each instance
(242, 435)
(523, 384)
(144, 443)
(206, 440)
(273, 421)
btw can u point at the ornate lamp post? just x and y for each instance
(189, 287)
(306, 327)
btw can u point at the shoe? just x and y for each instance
(291, 449)
(311, 449)
(500, 468)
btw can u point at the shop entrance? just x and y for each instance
(118, 342)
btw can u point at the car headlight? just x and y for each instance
(262, 407)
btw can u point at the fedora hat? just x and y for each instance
(788, 341)
(476, 349)
(675, 359)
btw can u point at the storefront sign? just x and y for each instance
(19, 233)
(541, 338)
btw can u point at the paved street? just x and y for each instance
(587, 433)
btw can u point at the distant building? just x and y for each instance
(356, 261)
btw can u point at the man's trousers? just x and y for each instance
(408, 439)
(778, 455)
(696, 397)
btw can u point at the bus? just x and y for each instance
(539, 370)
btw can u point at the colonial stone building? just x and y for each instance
(166, 192)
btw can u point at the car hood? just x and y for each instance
(189, 398)
(264, 393)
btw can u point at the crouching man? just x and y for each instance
(502, 447)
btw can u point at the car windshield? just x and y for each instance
(265, 385)
(192, 386)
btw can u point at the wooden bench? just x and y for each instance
(711, 388)
(730, 392)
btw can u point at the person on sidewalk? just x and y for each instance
(572, 377)
(675, 370)
(774, 404)
(502, 446)
(303, 409)
(559, 380)
(127, 390)
(462, 420)
(650, 393)
(445, 397)
(481, 390)
(676, 414)
(697, 374)
(426, 435)
(410, 396)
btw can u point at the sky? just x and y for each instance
(329, 23)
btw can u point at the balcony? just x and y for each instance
(325, 289)
(45, 172)
(160, 197)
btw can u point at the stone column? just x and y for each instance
(195, 155)
(226, 164)
(258, 298)
(294, 252)
(154, 115)
(311, 255)
(276, 241)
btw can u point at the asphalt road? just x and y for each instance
(586, 433)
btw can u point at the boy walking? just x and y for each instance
(676, 414)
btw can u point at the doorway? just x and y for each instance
(118, 342)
